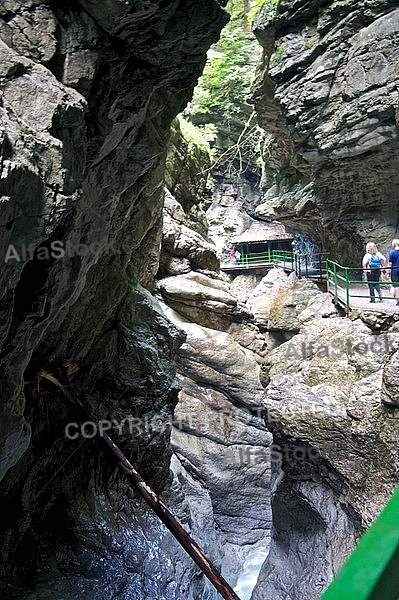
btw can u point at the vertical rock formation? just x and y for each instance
(337, 441)
(220, 441)
(327, 98)
(88, 92)
(334, 453)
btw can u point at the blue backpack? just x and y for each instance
(374, 262)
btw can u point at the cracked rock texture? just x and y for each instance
(176, 356)
(326, 95)
(88, 92)
(277, 301)
(220, 441)
(340, 462)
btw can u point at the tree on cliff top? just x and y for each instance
(221, 97)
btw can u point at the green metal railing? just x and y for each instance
(304, 266)
(268, 257)
(254, 258)
(372, 570)
(347, 283)
(284, 258)
(311, 265)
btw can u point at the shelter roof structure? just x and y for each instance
(263, 231)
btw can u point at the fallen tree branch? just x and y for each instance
(160, 509)
(248, 137)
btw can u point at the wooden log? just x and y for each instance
(155, 503)
(182, 536)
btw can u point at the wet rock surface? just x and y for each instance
(226, 429)
(221, 442)
(88, 92)
(339, 462)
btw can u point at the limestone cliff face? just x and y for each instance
(219, 437)
(327, 98)
(277, 356)
(340, 464)
(88, 92)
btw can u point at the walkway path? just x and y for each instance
(359, 299)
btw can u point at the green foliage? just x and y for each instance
(257, 5)
(198, 135)
(222, 90)
(269, 9)
(220, 99)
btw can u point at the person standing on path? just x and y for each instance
(372, 263)
(393, 262)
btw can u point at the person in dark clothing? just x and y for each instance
(393, 262)
(372, 263)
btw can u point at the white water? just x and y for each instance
(307, 254)
(304, 247)
(246, 580)
(249, 575)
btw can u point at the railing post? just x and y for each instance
(327, 273)
(335, 283)
(347, 290)
(371, 571)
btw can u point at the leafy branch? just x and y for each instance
(234, 157)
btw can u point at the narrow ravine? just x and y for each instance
(142, 145)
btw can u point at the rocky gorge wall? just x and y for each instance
(329, 394)
(315, 379)
(88, 92)
(219, 437)
(327, 98)
(240, 397)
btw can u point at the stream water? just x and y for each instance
(246, 580)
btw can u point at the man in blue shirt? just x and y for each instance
(393, 261)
